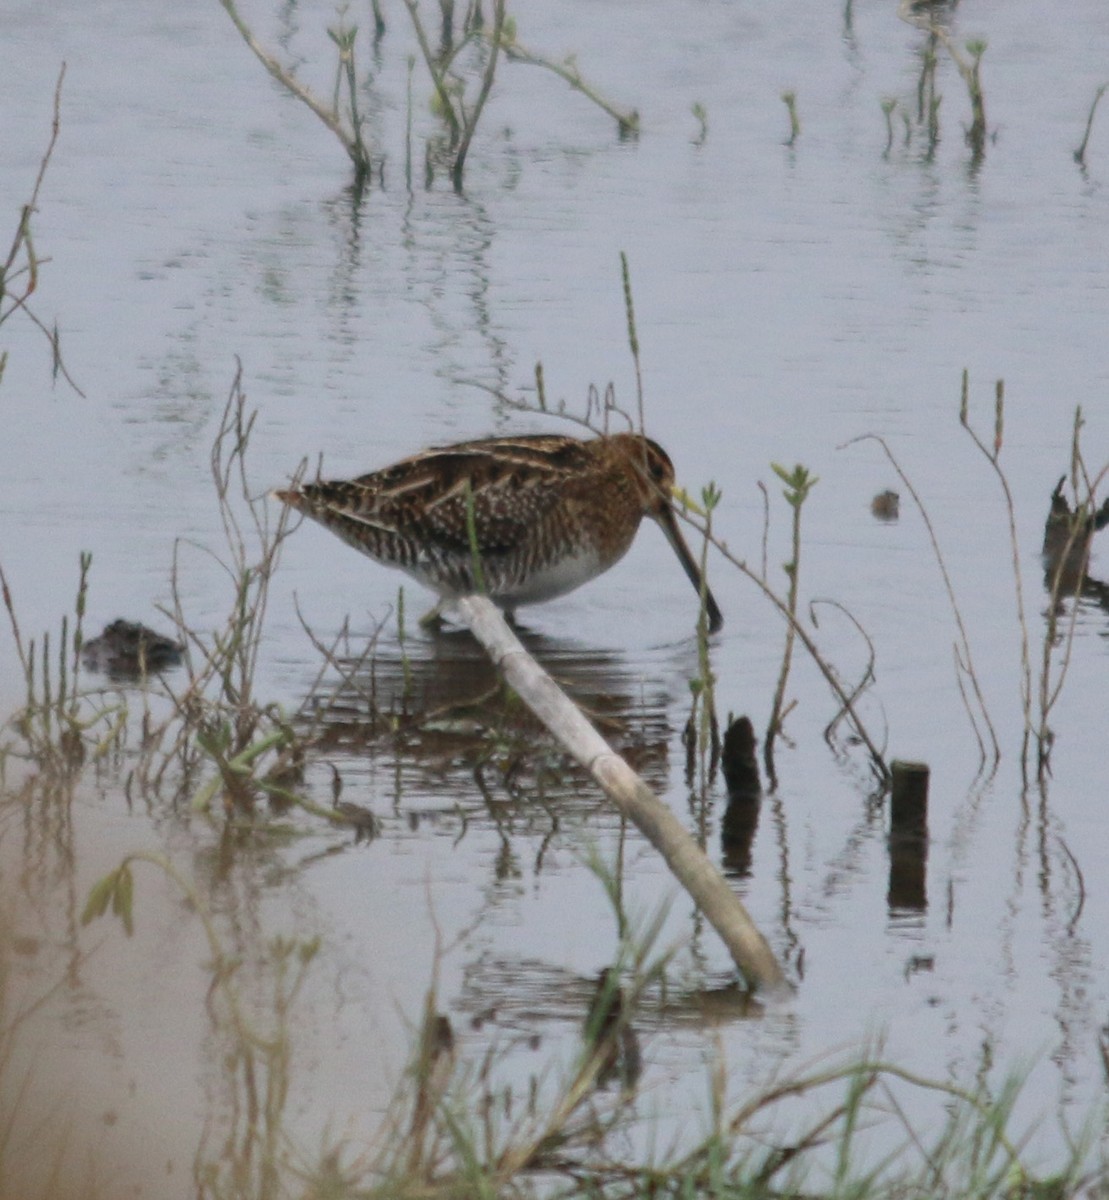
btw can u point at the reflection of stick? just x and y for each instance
(626, 789)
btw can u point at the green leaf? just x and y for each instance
(710, 496)
(100, 894)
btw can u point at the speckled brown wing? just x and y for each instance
(416, 508)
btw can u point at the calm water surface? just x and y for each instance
(788, 299)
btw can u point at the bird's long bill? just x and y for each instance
(669, 525)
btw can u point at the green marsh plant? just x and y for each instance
(701, 116)
(61, 723)
(467, 64)
(970, 68)
(845, 695)
(928, 100)
(460, 121)
(218, 725)
(798, 484)
(702, 731)
(991, 451)
(701, 734)
(627, 119)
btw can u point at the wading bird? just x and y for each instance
(523, 519)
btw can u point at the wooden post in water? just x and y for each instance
(908, 839)
(689, 863)
(740, 764)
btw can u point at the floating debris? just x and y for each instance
(886, 506)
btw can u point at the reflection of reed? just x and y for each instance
(435, 710)
(525, 998)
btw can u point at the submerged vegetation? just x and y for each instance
(454, 1127)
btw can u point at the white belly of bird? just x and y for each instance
(568, 573)
(533, 586)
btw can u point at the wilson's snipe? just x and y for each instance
(549, 514)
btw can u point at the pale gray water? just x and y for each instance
(788, 299)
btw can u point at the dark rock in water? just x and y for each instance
(127, 649)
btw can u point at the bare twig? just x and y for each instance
(27, 268)
(993, 457)
(350, 139)
(627, 120)
(963, 652)
(867, 675)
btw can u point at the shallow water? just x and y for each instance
(788, 299)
